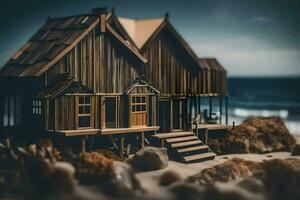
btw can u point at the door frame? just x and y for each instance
(103, 110)
(181, 102)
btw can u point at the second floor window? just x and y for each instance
(37, 107)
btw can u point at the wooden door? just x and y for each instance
(178, 114)
(110, 109)
(139, 111)
(164, 116)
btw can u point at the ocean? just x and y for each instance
(265, 97)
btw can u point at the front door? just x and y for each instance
(164, 115)
(139, 110)
(178, 114)
(110, 108)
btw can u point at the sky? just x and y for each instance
(248, 37)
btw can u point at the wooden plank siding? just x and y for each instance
(169, 68)
(99, 63)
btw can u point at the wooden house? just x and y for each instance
(177, 72)
(99, 74)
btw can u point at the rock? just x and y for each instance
(230, 170)
(282, 178)
(114, 178)
(169, 177)
(125, 181)
(255, 135)
(229, 191)
(296, 150)
(252, 184)
(149, 158)
(46, 177)
(186, 191)
(94, 168)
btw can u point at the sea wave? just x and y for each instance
(242, 112)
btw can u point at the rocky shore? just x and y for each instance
(41, 171)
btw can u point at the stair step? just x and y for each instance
(183, 144)
(181, 139)
(189, 149)
(199, 156)
(172, 135)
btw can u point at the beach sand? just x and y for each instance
(150, 180)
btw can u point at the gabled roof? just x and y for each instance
(54, 40)
(63, 86)
(144, 31)
(140, 30)
(138, 83)
(212, 64)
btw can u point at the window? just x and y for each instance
(11, 110)
(84, 112)
(138, 104)
(37, 107)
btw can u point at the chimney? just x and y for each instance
(101, 10)
(167, 15)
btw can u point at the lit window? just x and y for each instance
(84, 112)
(36, 107)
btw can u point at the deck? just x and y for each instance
(212, 127)
(106, 131)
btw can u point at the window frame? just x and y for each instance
(135, 104)
(84, 114)
(37, 107)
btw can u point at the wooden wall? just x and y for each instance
(169, 68)
(99, 62)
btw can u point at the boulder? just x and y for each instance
(187, 191)
(149, 158)
(296, 150)
(114, 178)
(169, 177)
(255, 135)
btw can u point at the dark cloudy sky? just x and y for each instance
(249, 37)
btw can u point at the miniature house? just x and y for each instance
(99, 74)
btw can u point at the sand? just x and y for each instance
(150, 180)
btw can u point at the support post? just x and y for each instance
(190, 114)
(142, 139)
(83, 145)
(171, 114)
(221, 108)
(206, 136)
(226, 109)
(210, 106)
(121, 148)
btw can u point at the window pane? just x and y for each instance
(138, 108)
(40, 103)
(143, 100)
(33, 110)
(133, 108)
(33, 103)
(87, 100)
(87, 110)
(138, 99)
(143, 108)
(81, 109)
(40, 111)
(81, 100)
(84, 121)
(133, 99)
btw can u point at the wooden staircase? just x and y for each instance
(185, 146)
